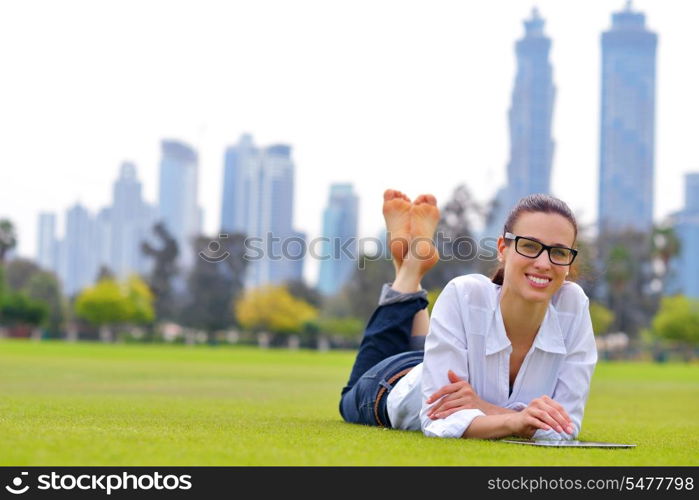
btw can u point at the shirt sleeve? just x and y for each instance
(573, 385)
(445, 349)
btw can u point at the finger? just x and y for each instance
(560, 409)
(535, 422)
(453, 377)
(448, 412)
(447, 389)
(456, 403)
(559, 417)
(545, 417)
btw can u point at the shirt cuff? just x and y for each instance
(453, 426)
(391, 296)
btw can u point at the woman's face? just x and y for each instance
(524, 275)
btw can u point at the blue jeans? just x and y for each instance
(384, 352)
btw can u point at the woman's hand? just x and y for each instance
(542, 413)
(459, 395)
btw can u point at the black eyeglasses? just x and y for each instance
(561, 256)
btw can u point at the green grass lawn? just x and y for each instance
(93, 404)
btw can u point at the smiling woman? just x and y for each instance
(511, 355)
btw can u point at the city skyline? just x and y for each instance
(353, 128)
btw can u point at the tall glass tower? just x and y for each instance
(177, 197)
(339, 227)
(627, 128)
(530, 117)
(686, 225)
(258, 200)
(531, 145)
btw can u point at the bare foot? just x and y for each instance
(396, 213)
(424, 218)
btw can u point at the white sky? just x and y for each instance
(405, 94)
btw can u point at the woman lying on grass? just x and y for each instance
(511, 355)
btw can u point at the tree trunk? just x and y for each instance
(323, 343)
(293, 342)
(71, 333)
(106, 334)
(37, 334)
(263, 339)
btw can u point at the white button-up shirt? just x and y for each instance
(467, 335)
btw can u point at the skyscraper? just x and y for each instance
(241, 163)
(339, 227)
(258, 200)
(80, 266)
(130, 220)
(627, 128)
(686, 224)
(530, 116)
(178, 205)
(47, 249)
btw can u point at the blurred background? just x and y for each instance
(212, 172)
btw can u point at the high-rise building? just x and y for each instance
(47, 249)
(177, 197)
(130, 220)
(258, 200)
(627, 128)
(531, 145)
(241, 163)
(339, 228)
(685, 268)
(530, 117)
(80, 266)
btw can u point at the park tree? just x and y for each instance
(455, 239)
(602, 318)
(363, 289)
(214, 282)
(25, 276)
(44, 287)
(300, 290)
(18, 272)
(345, 329)
(18, 309)
(628, 276)
(272, 309)
(109, 304)
(8, 238)
(164, 271)
(678, 321)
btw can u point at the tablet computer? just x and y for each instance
(574, 444)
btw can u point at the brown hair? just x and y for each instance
(536, 203)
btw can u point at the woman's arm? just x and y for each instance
(573, 384)
(539, 415)
(445, 349)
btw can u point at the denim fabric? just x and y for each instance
(385, 350)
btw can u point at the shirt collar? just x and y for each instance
(549, 338)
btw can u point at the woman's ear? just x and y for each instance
(501, 249)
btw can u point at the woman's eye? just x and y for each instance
(560, 252)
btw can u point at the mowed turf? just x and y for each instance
(94, 404)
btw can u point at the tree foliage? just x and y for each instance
(17, 308)
(347, 327)
(602, 318)
(273, 309)
(8, 238)
(110, 303)
(678, 320)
